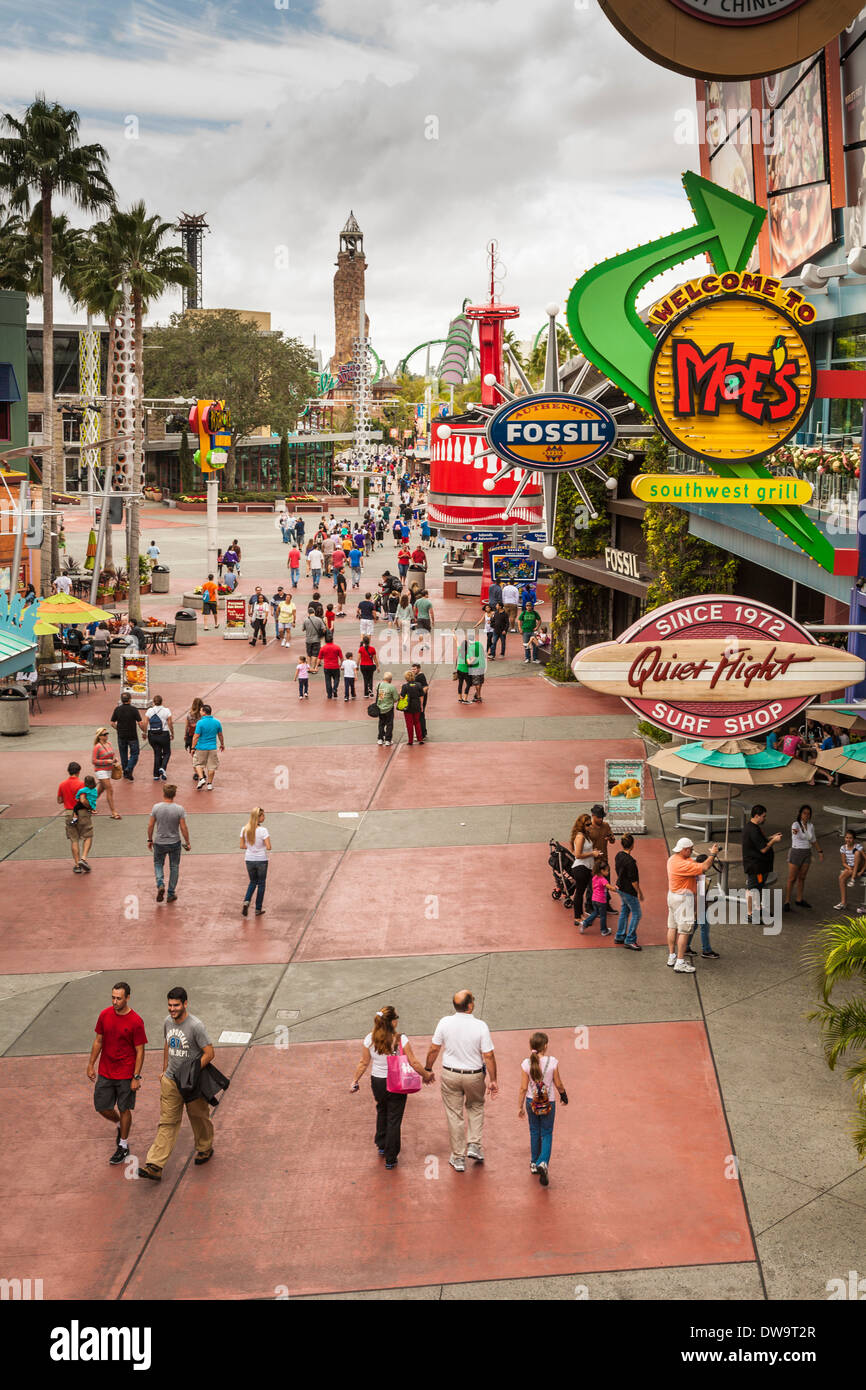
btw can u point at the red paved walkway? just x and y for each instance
(337, 1220)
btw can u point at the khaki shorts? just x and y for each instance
(681, 911)
(83, 830)
(206, 757)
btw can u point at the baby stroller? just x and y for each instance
(560, 861)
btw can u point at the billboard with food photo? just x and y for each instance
(623, 793)
(768, 141)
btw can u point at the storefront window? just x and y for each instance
(848, 346)
(846, 417)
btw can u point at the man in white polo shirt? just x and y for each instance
(468, 1051)
(511, 601)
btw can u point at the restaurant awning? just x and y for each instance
(16, 653)
(9, 392)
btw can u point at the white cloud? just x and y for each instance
(553, 136)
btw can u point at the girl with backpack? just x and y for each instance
(382, 1042)
(540, 1076)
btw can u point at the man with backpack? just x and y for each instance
(315, 633)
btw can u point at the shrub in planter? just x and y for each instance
(650, 731)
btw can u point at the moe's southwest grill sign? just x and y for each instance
(551, 431)
(731, 376)
(716, 667)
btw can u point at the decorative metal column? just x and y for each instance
(88, 385)
(361, 360)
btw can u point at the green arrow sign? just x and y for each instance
(606, 326)
(601, 311)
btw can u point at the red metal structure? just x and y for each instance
(457, 497)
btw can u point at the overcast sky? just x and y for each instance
(552, 135)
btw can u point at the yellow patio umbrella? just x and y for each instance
(63, 608)
(43, 629)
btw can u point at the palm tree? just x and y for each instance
(837, 954)
(129, 247)
(40, 156)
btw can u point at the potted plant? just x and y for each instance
(121, 584)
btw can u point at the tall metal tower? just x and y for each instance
(192, 228)
(362, 400)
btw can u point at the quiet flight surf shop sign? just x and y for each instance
(718, 666)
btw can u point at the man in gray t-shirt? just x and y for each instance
(165, 828)
(186, 1040)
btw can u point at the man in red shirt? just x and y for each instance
(119, 1044)
(331, 656)
(294, 563)
(80, 833)
(419, 558)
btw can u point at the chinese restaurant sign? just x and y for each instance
(729, 38)
(716, 667)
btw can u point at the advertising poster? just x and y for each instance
(513, 566)
(801, 224)
(133, 677)
(623, 794)
(236, 618)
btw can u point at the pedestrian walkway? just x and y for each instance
(397, 876)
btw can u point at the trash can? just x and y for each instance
(186, 627)
(116, 647)
(159, 579)
(14, 711)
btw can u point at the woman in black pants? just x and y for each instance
(380, 1043)
(584, 860)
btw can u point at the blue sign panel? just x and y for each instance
(551, 432)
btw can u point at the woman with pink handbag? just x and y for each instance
(396, 1073)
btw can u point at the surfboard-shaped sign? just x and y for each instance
(716, 666)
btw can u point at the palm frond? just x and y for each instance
(843, 1027)
(837, 952)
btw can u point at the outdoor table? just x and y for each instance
(733, 855)
(153, 635)
(64, 671)
(854, 789)
(691, 817)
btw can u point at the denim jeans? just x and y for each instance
(258, 872)
(332, 681)
(295, 573)
(540, 1134)
(159, 853)
(129, 749)
(705, 935)
(630, 905)
(597, 910)
(316, 576)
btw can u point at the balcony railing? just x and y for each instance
(835, 497)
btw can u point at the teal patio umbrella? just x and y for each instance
(736, 763)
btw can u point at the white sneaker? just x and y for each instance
(457, 1163)
(840, 907)
(380, 741)
(672, 958)
(209, 787)
(474, 1151)
(533, 1168)
(684, 967)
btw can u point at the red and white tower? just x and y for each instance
(458, 498)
